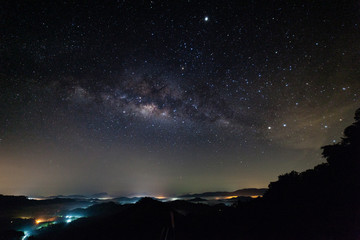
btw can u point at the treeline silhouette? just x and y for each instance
(321, 203)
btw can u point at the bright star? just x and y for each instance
(206, 18)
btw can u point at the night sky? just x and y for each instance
(171, 97)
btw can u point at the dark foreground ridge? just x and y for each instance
(320, 203)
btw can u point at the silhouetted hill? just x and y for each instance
(197, 199)
(126, 200)
(11, 235)
(75, 196)
(148, 219)
(102, 209)
(17, 206)
(8, 201)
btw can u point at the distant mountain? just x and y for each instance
(95, 196)
(66, 196)
(249, 192)
(197, 199)
(241, 192)
(126, 200)
(100, 195)
(101, 209)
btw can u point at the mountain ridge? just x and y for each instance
(240, 192)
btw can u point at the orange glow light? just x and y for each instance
(41, 220)
(160, 197)
(230, 197)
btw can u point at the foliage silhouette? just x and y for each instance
(326, 197)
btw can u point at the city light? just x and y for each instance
(230, 197)
(43, 220)
(70, 218)
(26, 235)
(38, 221)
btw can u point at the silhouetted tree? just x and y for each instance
(346, 154)
(326, 197)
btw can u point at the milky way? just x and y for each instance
(169, 98)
